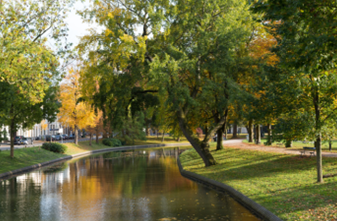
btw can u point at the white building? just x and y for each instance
(52, 128)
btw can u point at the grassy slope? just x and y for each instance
(284, 184)
(298, 145)
(30, 156)
(25, 157)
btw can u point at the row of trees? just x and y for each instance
(210, 63)
(177, 65)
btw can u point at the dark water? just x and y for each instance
(139, 185)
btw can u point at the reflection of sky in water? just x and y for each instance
(114, 186)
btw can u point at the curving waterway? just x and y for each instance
(130, 186)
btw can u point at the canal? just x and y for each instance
(130, 186)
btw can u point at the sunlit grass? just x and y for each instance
(25, 157)
(298, 145)
(284, 184)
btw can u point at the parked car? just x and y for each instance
(17, 141)
(71, 136)
(50, 137)
(64, 136)
(57, 137)
(25, 141)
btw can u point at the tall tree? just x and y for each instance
(200, 62)
(25, 59)
(188, 51)
(307, 45)
(74, 112)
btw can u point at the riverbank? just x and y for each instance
(284, 184)
(26, 157)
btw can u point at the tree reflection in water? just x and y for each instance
(131, 185)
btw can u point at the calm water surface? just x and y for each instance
(135, 185)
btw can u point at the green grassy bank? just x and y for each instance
(284, 184)
(33, 155)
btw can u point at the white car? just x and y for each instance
(24, 141)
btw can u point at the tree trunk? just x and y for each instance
(178, 139)
(202, 148)
(219, 139)
(97, 131)
(318, 144)
(289, 143)
(162, 138)
(157, 134)
(250, 129)
(76, 134)
(235, 131)
(319, 158)
(269, 138)
(90, 142)
(147, 130)
(258, 134)
(226, 128)
(12, 135)
(330, 145)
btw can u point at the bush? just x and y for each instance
(112, 142)
(54, 147)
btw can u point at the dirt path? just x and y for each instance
(240, 145)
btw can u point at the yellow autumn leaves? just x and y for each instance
(75, 112)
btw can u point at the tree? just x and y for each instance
(188, 52)
(306, 36)
(25, 59)
(201, 60)
(97, 128)
(73, 112)
(21, 113)
(44, 126)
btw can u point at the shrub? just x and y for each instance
(107, 142)
(54, 147)
(112, 142)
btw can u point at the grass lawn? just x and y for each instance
(298, 145)
(25, 157)
(33, 155)
(284, 184)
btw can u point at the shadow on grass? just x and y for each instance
(243, 164)
(284, 184)
(313, 200)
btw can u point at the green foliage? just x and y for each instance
(192, 54)
(112, 142)
(25, 59)
(55, 147)
(131, 129)
(18, 112)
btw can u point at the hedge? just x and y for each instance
(112, 142)
(54, 147)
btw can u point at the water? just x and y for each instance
(139, 185)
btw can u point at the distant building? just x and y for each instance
(37, 131)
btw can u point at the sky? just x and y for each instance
(77, 28)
